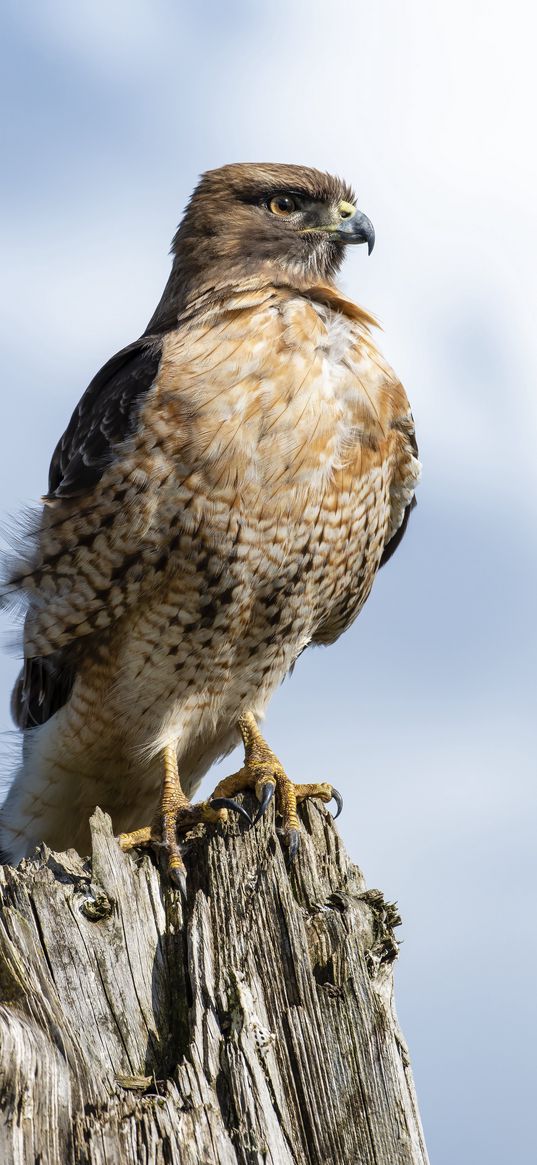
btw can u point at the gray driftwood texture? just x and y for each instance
(253, 1024)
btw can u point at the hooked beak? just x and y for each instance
(353, 227)
(357, 228)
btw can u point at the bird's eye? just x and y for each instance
(282, 204)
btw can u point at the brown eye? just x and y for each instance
(282, 204)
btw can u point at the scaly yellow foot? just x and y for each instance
(176, 815)
(263, 772)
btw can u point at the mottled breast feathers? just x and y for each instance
(260, 407)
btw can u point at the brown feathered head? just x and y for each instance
(269, 221)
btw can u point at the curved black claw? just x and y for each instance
(339, 801)
(293, 842)
(227, 803)
(177, 877)
(268, 792)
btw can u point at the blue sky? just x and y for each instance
(423, 714)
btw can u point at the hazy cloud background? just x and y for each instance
(424, 713)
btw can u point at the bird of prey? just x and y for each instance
(223, 496)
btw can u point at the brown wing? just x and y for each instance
(103, 420)
(101, 426)
(396, 539)
(404, 483)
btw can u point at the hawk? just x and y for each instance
(223, 496)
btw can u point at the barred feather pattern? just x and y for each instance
(243, 517)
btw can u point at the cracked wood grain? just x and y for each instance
(252, 1024)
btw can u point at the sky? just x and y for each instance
(423, 713)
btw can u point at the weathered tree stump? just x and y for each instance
(253, 1023)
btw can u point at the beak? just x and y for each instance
(358, 228)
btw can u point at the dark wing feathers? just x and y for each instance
(398, 536)
(42, 687)
(104, 417)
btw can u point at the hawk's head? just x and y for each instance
(289, 217)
